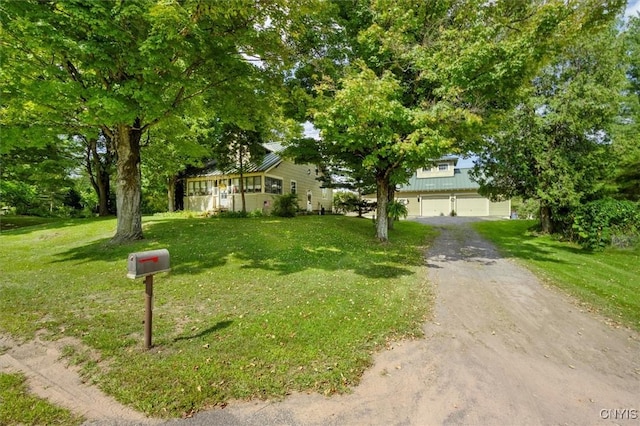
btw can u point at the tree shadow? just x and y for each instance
(217, 327)
(7, 228)
(460, 242)
(197, 245)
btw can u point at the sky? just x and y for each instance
(633, 7)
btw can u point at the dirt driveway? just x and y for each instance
(502, 349)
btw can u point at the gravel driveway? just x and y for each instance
(501, 349)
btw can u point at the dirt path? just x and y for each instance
(49, 377)
(502, 349)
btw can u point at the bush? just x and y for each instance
(345, 202)
(603, 222)
(397, 210)
(285, 205)
(526, 209)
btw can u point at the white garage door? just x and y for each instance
(472, 206)
(436, 206)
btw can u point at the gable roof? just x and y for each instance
(461, 180)
(270, 159)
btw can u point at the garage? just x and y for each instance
(472, 206)
(441, 187)
(435, 205)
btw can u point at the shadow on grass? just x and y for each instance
(197, 245)
(219, 326)
(518, 240)
(24, 225)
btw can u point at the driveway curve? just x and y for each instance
(502, 348)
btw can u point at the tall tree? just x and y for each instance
(99, 163)
(555, 147)
(125, 66)
(367, 120)
(237, 151)
(443, 71)
(627, 147)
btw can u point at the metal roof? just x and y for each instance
(269, 160)
(459, 181)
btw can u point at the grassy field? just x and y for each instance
(18, 407)
(252, 308)
(608, 281)
(9, 222)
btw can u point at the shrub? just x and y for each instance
(603, 222)
(285, 205)
(397, 210)
(345, 202)
(256, 213)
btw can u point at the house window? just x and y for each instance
(199, 187)
(443, 167)
(272, 185)
(325, 193)
(253, 184)
(294, 187)
(235, 186)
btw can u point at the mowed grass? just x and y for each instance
(19, 407)
(253, 308)
(607, 281)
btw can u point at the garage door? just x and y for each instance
(436, 206)
(472, 206)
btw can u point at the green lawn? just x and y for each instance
(8, 222)
(19, 407)
(252, 308)
(607, 281)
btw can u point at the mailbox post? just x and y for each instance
(146, 264)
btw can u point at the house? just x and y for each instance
(443, 189)
(212, 190)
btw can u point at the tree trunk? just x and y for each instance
(546, 224)
(390, 198)
(99, 175)
(129, 183)
(382, 230)
(102, 183)
(171, 194)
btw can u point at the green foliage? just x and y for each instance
(125, 67)
(397, 210)
(37, 181)
(525, 209)
(19, 407)
(251, 309)
(605, 222)
(626, 181)
(424, 78)
(19, 195)
(345, 202)
(285, 205)
(555, 146)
